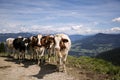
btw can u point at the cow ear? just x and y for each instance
(65, 40)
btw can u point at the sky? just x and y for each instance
(60, 16)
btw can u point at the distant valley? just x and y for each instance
(93, 45)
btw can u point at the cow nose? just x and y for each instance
(57, 49)
(39, 45)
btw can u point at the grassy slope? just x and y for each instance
(111, 56)
(96, 66)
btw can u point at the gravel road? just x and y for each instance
(28, 70)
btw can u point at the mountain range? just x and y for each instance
(4, 36)
(82, 45)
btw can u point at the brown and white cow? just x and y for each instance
(37, 44)
(50, 44)
(62, 47)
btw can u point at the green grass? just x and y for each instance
(4, 54)
(96, 65)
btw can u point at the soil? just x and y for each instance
(10, 69)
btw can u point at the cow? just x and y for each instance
(37, 45)
(21, 45)
(32, 46)
(50, 43)
(62, 47)
(9, 45)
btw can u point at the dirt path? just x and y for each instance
(11, 70)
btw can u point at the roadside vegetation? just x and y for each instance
(95, 65)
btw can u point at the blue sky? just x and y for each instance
(60, 16)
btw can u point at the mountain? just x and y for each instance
(111, 56)
(95, 44)
(76, 37)
(102, 39)
(82, 45)
(4, 36)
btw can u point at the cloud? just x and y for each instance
(58, 28)
(55, 16)
(115, 29)
(49, 29)
(116, 19)
(77, 27)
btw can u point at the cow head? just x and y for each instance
(26, 42)
(46, 41)
(33, 41)
(62, 43)
(50, 42)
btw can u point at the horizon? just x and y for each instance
(61, 33)
(59, 16)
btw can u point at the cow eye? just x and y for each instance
(64, 40)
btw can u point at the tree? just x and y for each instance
(2, 47)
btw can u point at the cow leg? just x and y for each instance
(49, 55)
(64, 60)
(33, 55)
(14, 53)
(23, 55)
(38, 56)
(20, 57)
(38, 59)
(59, 63)
(17, 54)
(54, 56)
(42, 55)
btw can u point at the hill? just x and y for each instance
(111, 56)
(93, 45)
(76, 37)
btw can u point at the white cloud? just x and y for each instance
(115, 29)
(116, 19)
(56, 28)
(49, 29)
(77, 27)
(24, 29)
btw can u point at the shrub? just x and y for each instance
(2, 47)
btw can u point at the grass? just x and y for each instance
(4, 54)
(96, 65)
